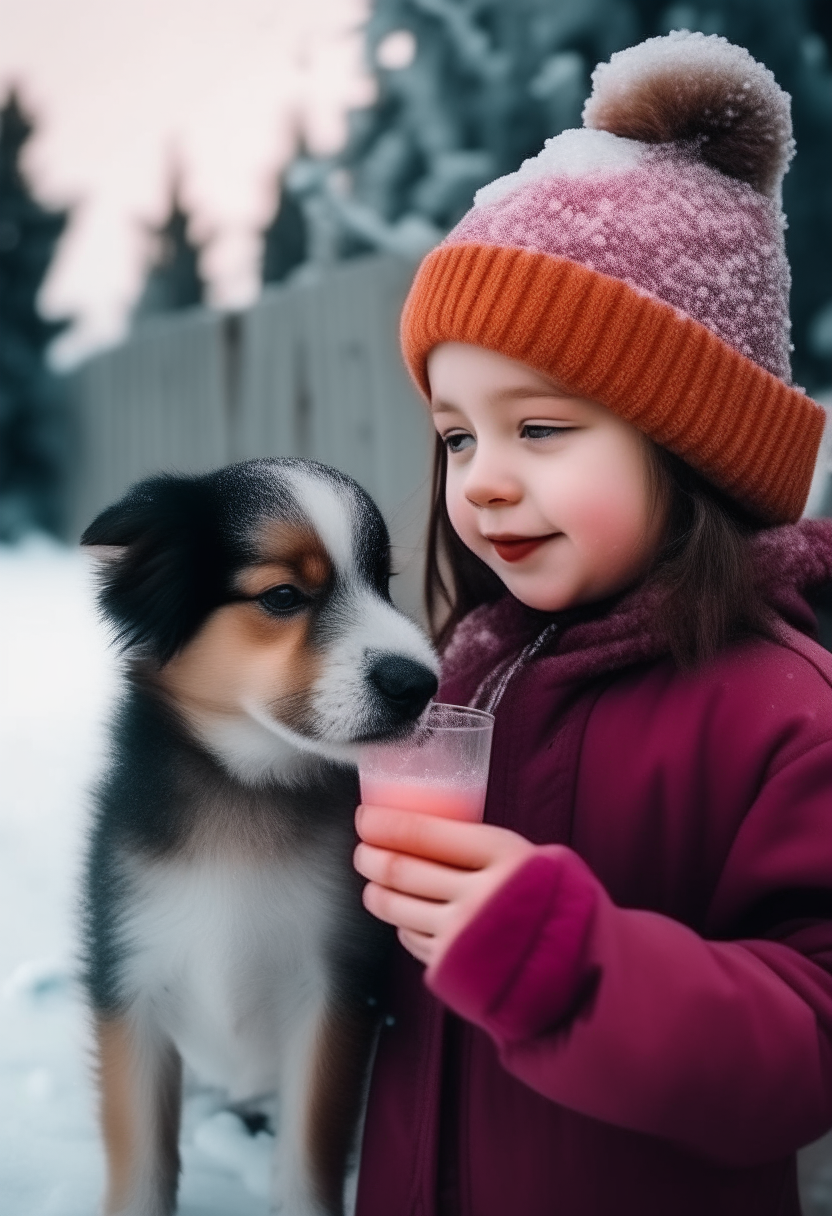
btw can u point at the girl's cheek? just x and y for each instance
(460, 512)
(616, 521)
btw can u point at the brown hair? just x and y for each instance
(704, 568)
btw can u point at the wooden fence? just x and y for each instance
(312, 369)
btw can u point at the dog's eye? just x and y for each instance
(282, 600)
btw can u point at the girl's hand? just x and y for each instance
(429, 876)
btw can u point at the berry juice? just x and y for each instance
(448, 801)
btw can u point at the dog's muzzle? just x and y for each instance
(405, 685)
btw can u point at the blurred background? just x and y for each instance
(210, 212)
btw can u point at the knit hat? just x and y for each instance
(640, 261)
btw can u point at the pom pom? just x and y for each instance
(700, 90)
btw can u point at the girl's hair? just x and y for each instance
(704, 571)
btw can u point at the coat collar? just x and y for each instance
(490, 642)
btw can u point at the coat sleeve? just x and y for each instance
(631, 1017)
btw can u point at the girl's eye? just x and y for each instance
(282, 600)
(537, 430)
(458, 441)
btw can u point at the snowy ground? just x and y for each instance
(57, 678)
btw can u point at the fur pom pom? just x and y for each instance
(702, 90)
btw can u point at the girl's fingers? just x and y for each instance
(420, 945)
(407, 874)
(469, 846)
(403, 911)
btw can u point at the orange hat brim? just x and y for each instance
(749, 433)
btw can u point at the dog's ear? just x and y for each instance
(163, 567)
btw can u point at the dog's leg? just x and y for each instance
(140, 1077)
(320, 1103)
(343, 1052)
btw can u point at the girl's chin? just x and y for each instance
(541, 590)
(542, 599)
(547, 599)
(545, 604)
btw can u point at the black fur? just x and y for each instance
(185, 537)
(161, 786)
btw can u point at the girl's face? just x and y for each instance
(549, 490)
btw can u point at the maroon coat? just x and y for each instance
(645, 1019)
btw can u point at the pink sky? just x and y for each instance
(122, 88)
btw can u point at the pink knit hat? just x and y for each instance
(640, 260)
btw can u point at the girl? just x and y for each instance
(627, 1006)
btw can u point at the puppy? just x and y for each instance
(223, 918)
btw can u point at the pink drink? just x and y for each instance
(441, 768)
(449, 801)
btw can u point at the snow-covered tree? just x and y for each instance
(286, 238)
(285, 241)
(33, 425)
(174, 279)
(467, 89)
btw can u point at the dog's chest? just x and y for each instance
(227, 958)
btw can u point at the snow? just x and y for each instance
(570, 154)
(58, 678)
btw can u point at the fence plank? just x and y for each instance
(156, 402)
(270, 414)
(311, 369)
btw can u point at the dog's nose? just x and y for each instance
(404, 683)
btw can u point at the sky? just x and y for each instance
(127, 92)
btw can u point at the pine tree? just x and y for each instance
(174, 280)
(488, 81)
(285, 240)
(33, 426)
(484, 83)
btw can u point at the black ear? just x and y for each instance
(166, 567)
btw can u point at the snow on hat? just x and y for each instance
(640, 261)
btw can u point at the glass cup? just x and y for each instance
(441, 769)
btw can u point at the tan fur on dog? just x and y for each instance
(241, 654)
(117, 1123)
(121, 1087)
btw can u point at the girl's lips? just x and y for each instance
(515, 548)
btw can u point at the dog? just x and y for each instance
(223, 923)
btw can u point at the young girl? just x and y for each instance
(627, 1006)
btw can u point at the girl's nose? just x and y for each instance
(488, 483)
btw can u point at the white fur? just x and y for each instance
(372, 628)
(255, 748)
(222, 954)
(331, 510)
(225, 960)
